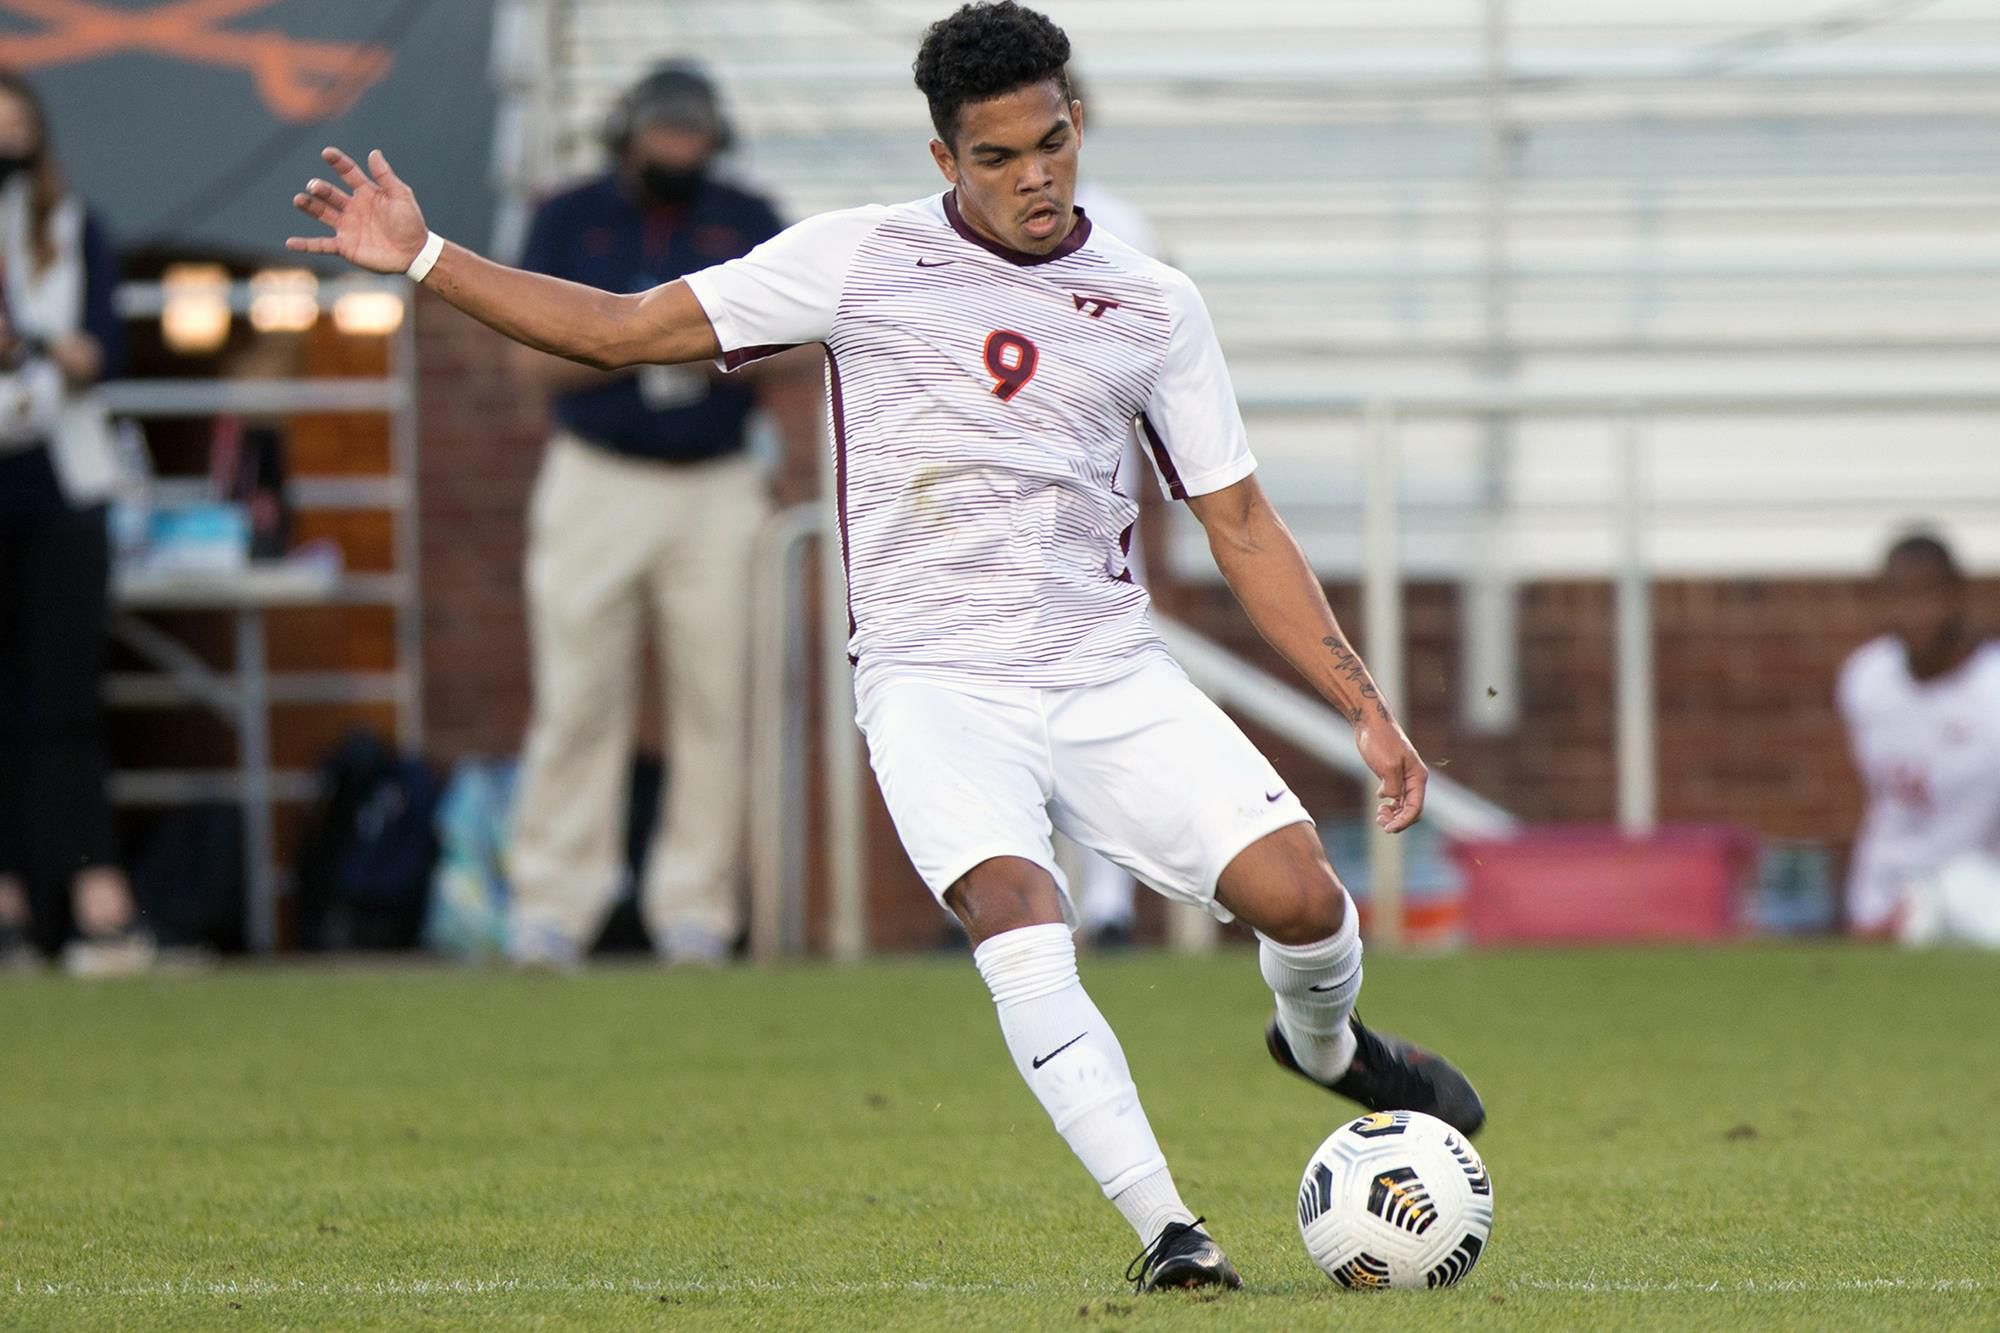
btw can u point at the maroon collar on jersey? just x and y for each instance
(1070, 243)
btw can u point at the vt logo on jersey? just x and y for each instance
(1094, 306)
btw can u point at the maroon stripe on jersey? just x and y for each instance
(839, 413)
(1071, 243)
(1164, 459)
(743, 356)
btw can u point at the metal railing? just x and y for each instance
(779, 733)
(244, 696)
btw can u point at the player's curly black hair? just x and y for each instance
(987, 50)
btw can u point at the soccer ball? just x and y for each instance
(1395, 1199)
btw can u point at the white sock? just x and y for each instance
(1151, 1204)
(1073, 1064)
(1316, 985)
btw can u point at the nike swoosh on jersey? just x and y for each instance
(934, 263)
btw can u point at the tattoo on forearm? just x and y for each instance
(1350, 668)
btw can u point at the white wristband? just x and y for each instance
(420, 267)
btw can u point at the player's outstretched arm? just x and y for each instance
(378, 226)
(1271, 578)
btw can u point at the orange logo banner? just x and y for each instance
(298, 80)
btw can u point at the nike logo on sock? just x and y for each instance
(1334, 986)
(1274, 795)
(1041, 1060)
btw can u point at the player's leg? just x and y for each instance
(1282, 887)
(1160, 778)
(966, 780)
(1070, 1059)
(1061, 1044)
(585, 570)
(1153, 774)
(1308, 942)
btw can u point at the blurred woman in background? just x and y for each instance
(59, 335)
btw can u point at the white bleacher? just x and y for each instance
(1758, 194)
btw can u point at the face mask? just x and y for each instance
(671, 186)
(12, 165)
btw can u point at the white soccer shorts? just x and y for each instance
(1144, 768)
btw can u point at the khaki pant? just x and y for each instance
(609, 541)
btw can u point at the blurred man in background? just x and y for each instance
(647, 506)
(1922, 707)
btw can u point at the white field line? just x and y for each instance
(499, 1286)
(1746, 1286)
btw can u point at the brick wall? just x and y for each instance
(1746, 726)
(482, 437)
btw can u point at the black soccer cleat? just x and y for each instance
(1182, 1257)
(1390, 1074)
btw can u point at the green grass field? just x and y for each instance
(1788, 1138)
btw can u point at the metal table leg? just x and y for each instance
(253, 739)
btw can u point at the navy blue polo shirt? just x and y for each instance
(598, 235)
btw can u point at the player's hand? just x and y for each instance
(1390, 757)
(376, 222)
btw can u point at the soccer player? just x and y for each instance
(1922, 707)
(988, 352)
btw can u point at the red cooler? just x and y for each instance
(1582, 884)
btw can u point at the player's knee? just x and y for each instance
(1314, 908)
(1284, 887)
(1002, 894)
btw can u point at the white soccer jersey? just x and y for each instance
(981, 400)
(1929, 753)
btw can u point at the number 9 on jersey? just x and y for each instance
(1011, 361)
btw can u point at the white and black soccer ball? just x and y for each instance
(1395, 1199)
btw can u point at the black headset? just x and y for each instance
(676, 80)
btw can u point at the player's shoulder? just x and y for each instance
(1113, 249)
(848, 224)
(1175, 289)
(1877, 666)
(921, 222)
